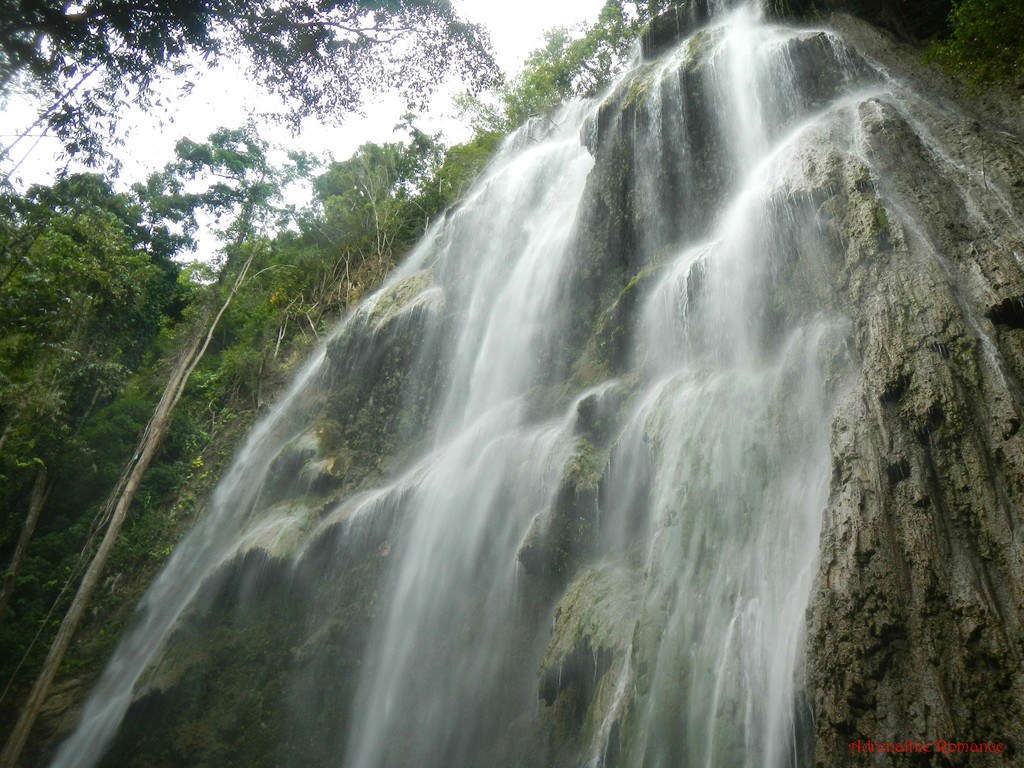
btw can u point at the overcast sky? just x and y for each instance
(516, 28)
(222, 98)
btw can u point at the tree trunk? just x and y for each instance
(40, 490)
(8, 429)
(119, 503)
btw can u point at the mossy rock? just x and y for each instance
(597, 611)
(416, 290)
(563, 536)
(586, 655)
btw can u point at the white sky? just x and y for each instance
(224, 98)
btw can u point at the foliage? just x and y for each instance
(573, 63)
(85, 286)
(93, 310)
(569, 67)
(229, 177)
(85, 61)
(372, 200)
(462, 164)
(986, 44)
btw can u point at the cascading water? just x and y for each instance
(585, 430)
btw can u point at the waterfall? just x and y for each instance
(554, 494)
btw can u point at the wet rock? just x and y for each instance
(533, 551)
(584, 674)
(305, 467)
(915, 625)
(914, 20)
(372, 415)
(596, 413)
(561, 537)
(671, 26)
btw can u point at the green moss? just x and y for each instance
(881, 219)
(638, 88)
(598, 612)
(399, 297)
(585, 468)
(585, 657)
(646, 275)
(699, 46)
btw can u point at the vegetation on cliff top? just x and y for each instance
(986, 41)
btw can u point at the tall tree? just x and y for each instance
(85, 60)
(375, 199)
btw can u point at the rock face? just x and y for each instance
(913, 20)
(914, 629)
(699, 445)
(672, 25)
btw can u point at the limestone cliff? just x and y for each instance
(914, 629)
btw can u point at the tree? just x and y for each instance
(229, 176)
(118, 506)
(85, 61)
(570, 66)
(372, 200)
(573, 63)
(86, 285)
(986, 43)
(243, 184)
(462, 164)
